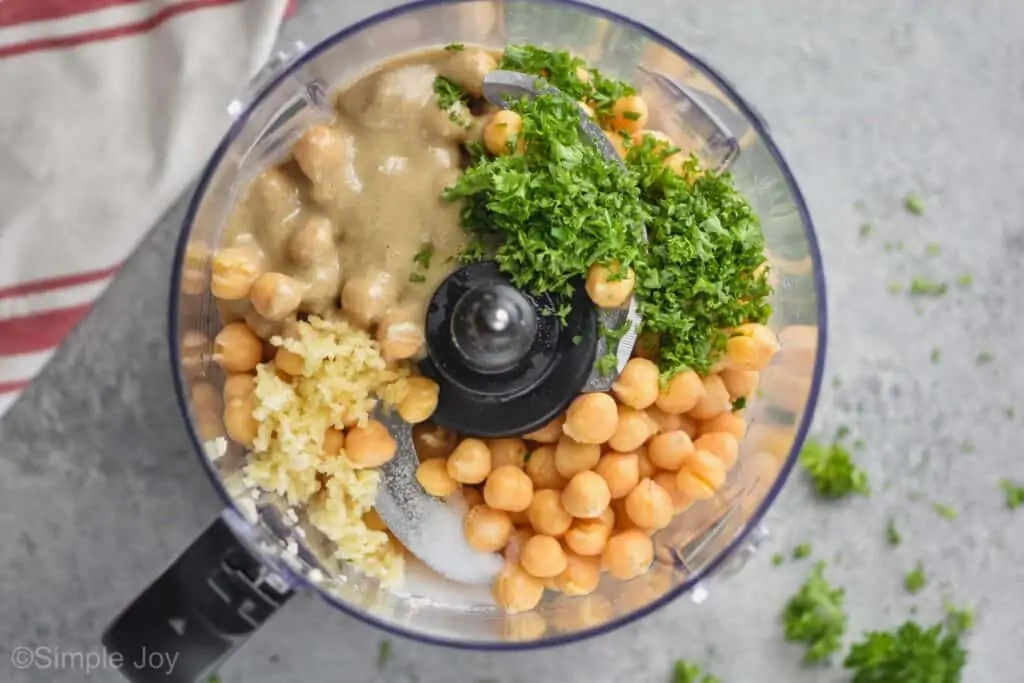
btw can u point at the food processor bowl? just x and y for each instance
(259, 551)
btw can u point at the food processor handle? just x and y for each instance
(193, 617)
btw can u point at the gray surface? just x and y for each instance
(868, 100)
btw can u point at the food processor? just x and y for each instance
(260, 551)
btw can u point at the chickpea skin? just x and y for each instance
(638, 384)
(740, 383)
(313, 242)
(649, 505)
(682, 393)
(542, 470)
(751, 347)
(549, 433)
(546, 514)
(645, 468)
(470, 462)
(586, 495)
(233, 272)
(587, 537)
(420, 400)
(701, 476)
(432, 474)
(275, 296)
(608, 287)
(487, 530)
(432, 441)
(508, 488)
(239, 422)
(722, 444)
(581, 575)
(670, 450)
(510, 451)
(629, 114)
(632, 431)
(500, 130)
(628, 554)
(370, 445)
(591, 418)
(516, 591)
(543, 557)
(730, 423)
(621, 471)
(572, 457)
(714, 401)
(237, 349)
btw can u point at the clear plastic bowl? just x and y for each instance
(686, 98)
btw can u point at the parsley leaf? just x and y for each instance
(739, 404)
(423, 256)
(892, 534)
(454, 47)
(923, 287)
(984, 358)
(936, 356)
(908, 654)
(915, 579)
(815, 616)
(383, 654)
(964, 280)
(1014, 493)
(417, 278)
(865, 230)
(688, 672)
(777, 559)
(832, 470)
(945, 511)
(801, 551)
(914, 204)
(448, 92)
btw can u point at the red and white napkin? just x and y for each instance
(108, 108)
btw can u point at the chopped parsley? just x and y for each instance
(936, 356)
(777, 559)
(967, 447)
(1014, 493)
(909, 654)
(383, 654)
(895, 288)
(984, 358)
(577, 339)
(607, 364)
(417, 278)
(454, 47)
(739, 404)
(914, 204)
(832, 470)
(842, 432)
(865, 230)
(801, 551)
(688, 672)
(922, 287)
(815, 616)
(915, 580)
(1010, 412)
(945, 511)
(933, 249)
(892, 534)
(423, 256)
(958, 620)
(448, 92)
(964, 280)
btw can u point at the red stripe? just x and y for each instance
(60, 282)
(8, 387)
(38, 331)
(100, 35)
(13, 12)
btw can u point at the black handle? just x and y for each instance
(202, 608)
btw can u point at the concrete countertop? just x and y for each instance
(868, 101)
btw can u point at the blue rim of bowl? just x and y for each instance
(801, 433)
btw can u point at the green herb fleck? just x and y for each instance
(915, 580)
(858, 444)
(577, 339)
(448, 92)
(1014, 493)
(895, 288)
(936, 356)
(865, 230)
(984, 358)
(908, 654)
(964, 280)
(959, 620)
(423, 256)
(914, 204)
(945, 511)
(837, 382)
(214, 678)
(526, 458)
(383, 654)
(777, 559)
(801, 551)
(417, 278)
(688, 672)
(842, 432)
(923, 287)
(933, 249)
(815, 616)
(966, 447)
(832, 470)
(455, 47)
(892, 534)
(739, 404)
(607, 364)
(1010, 412)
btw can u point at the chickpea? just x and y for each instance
(740, 383)
(580, 576)
(649, 505)
(542, 470)
(638, 384)
(546, 514)
(543, 557)
(751, 347)
(722, 444)
(645, 468)
(667, 481)
(621, 471)
(628, 554)
(420, 400)
(730, 423)
(572, 457)
(516, 591)
(366, 298)
(508, 488)
(320, 152)
(516, 540)
(549, 433)
(289, 362)
(632, 431)
(487, 530)
(401, 334)
(499, 132)
(586, 495)
(239, 422)
(473, 496)
(587, 537)
(370, 445)
(507, 452)
(238, 386)
(468, 68)
(237, 349)
(233, 272)
(312, 242)
(714, 401)
(334, 441)
(592, 418)
(275, 296)
(629, 114)
(701, 476)
(670, 450)
(608, 287)
(470, 462)
(682, 393)
(432, 441)
(433, 476)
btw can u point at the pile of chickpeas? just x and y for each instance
(585, 493)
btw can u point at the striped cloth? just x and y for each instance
(110, 107)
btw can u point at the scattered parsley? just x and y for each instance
(815, 616)
(865, 230)
(933, 249)
(832, 470)
(892, 534)
(984, 358)
(958, 620)
(454, 47)
(417, 278)
(936, 356)
(777, 559)
(964, 280)
(607, 364)
(922, 287)
(448, 93)
(423, 256)
(801, 551)
(688, 672)
(914, 204)
(383, 654)
(945, 511)
(739, 404)
(1014, 493)
(908, 654)
(915, 580)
